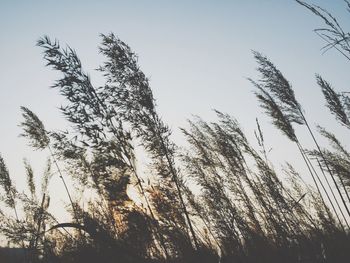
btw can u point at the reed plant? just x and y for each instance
(220, 199)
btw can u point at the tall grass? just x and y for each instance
(218, 200)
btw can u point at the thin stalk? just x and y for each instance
(311, 173)
(317, 187)
(175, 179)
(126, 159)
(64, 183)
(207, 225)
(327, 166)
(263, 204)
(39, 221)
(152, 215)
(334, 46)
(16, 214)
(65, 230)
(22, 242)
(336, 200)
(326, 192)
(296, 202)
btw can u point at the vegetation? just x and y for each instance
(219, 200)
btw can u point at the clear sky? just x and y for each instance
(197, 55)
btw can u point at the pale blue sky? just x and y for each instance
(197, 55)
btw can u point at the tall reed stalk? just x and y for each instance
(278, 99)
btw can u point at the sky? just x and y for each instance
(197, 55)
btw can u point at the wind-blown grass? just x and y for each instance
(218, 200)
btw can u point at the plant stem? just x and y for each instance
(64, 183)
(326, 164)
(317, 187)
(175, 179)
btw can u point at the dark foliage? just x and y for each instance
(218, 200)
